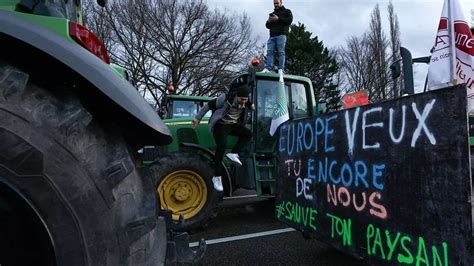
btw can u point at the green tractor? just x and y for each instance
(183, 169)
(72, 191)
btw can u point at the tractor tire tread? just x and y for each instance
(103, 169)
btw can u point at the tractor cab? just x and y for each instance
(258, 171)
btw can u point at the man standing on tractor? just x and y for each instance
(278, 23)
(228, 118)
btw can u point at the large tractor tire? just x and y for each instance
(69, 191)
(184, 185)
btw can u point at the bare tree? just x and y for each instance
(178, 42)
(394, 44)
(355, 61)
(96, 20)
(378, 45)
(129, 30)
(365, 60)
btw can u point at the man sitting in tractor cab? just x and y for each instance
(228, 118)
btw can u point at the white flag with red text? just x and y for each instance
(443, 70)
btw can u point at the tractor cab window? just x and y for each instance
(297, 98)
(265, 104)
(187, 109)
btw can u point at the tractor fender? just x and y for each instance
(143, 117)
(211, 154)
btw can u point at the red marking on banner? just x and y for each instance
(355, 99)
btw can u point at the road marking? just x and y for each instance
(240, 197)
(241, 237)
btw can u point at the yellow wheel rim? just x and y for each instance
(183, 192)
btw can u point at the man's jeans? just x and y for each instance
(279, 43)
(221, 131)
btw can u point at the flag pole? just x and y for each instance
(452, 36)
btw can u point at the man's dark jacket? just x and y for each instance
(282, 25)
(220, 106)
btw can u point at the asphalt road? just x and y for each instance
(245, 232)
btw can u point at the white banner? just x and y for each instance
(444, 70)
(280, 112)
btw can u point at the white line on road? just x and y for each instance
(240, 237)
(240, 197)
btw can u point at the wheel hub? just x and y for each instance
(182, 193)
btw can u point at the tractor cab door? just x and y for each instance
(265, 104)
(260, 168)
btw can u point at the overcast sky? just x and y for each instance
(333, 21)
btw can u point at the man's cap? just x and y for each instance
(243, 91)
(242, 80)
(240, 86)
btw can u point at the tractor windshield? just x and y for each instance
(186, 109)
(66, 8)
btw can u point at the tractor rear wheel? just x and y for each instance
(184, 185)
(69, 190)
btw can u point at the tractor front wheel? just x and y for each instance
(184, 186)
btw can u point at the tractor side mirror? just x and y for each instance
(409, 87)
(395, 69)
